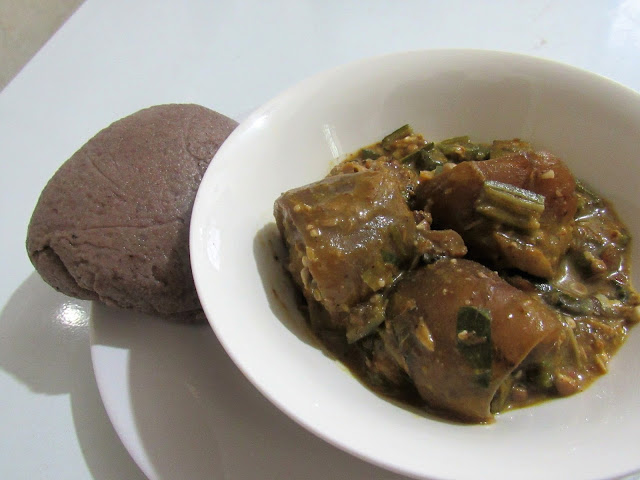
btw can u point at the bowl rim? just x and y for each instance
(299, 87)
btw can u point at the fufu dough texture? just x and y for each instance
(112, 224)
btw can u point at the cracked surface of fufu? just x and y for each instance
(112, 224)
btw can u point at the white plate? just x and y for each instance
(184, 411)
(591, 122)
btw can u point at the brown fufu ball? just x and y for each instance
(112, 224)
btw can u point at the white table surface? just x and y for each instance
(113, 58)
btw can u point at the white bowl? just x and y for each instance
(589, 121)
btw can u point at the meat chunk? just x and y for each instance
(456, 367)
(440, 243)
(348, 236)
(402, 174)
(513, 211)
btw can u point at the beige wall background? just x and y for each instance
(25, 26)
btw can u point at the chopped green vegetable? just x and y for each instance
(389, 257)
(501, 148)
(570, 304)
(584, 189)
(365, 318)
(399, 241)
(544, 375)
(511, 205)
(589, 203)
(623, 292)
(623, 239)
(582, 260)
(403, 131)
(473, 329)
(378, 275)
(369, 154)
(565, 302)
(415, 157)
(460, 149)
(435, 158)
(501, 396)
(426, 158)
(518, 199)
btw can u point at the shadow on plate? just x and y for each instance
(197, 416)
(44, 343)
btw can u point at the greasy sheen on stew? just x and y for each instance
(465, 278)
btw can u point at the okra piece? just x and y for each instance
(511, 205)
(473, 329)
(369, 154)
(366, 318)
(427, 158)
(403, 131)
(459, 149)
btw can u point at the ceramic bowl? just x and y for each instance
(590, 122)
